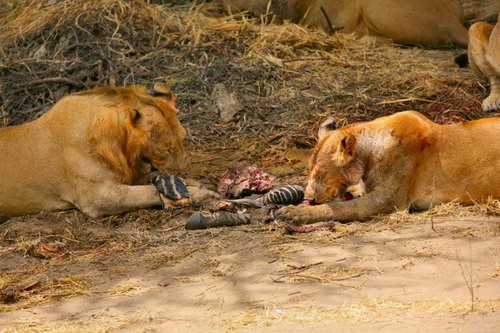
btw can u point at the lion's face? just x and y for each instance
(164, 145)
(334, 168)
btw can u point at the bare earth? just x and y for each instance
(394, 274)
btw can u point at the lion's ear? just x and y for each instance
(163, 91)
(349, 144)
(326, 126)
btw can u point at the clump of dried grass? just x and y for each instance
(102, 323)
(489, 208)
(284, 69)
(76, 43)
(364, 311)
(17, 290)
(319, 272)
(126, 288)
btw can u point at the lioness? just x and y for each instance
(90, 151)
(420, 22)
(401, 160)
(484, 59)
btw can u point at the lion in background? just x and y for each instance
(484, 58)
(422, 22)
(397, 162)
(91, 151)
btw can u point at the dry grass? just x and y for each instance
(38, 289)
(100, 324)
(126, 288)
(365, 311)
(280, 73)
(275, 68)
(488, 208)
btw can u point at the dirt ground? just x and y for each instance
(403, 272)
(142, 272)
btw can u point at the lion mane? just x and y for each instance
(113, 134)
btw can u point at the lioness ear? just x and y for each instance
(349, 144)
(327, 125)
(163, 91)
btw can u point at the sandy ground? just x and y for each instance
(395, 274)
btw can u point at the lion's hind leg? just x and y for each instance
(484, 40)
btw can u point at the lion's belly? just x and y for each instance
(31, 205)
(461, 166)
(29, 195)
(31, 176)
(475, 187)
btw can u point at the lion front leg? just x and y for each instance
(97, 201)
(492, 102)
(360, 209)
(484, 61)
(305, 214)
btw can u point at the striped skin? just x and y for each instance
(285, 195)
(170, 186)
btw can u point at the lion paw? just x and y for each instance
(295, 215)
(198, 194)
(492, 103)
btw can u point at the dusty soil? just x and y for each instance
(403, 272)
(142, 271)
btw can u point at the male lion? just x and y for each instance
(484, 59)
(422, 22)
(401, 161)
(90, 151)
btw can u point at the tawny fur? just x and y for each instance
(90, 151)
(484, 59)
(420, 22)
(402, 160)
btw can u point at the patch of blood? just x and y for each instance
(347, 196)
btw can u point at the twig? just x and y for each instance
(410, 99)
(468, 280)
(302, 268)
(274, 137)
(70, 82)
(347, 277)
(297, 270)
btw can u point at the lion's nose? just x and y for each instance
(310, 202)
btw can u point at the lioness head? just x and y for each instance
(137, 126)
(335, 167)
